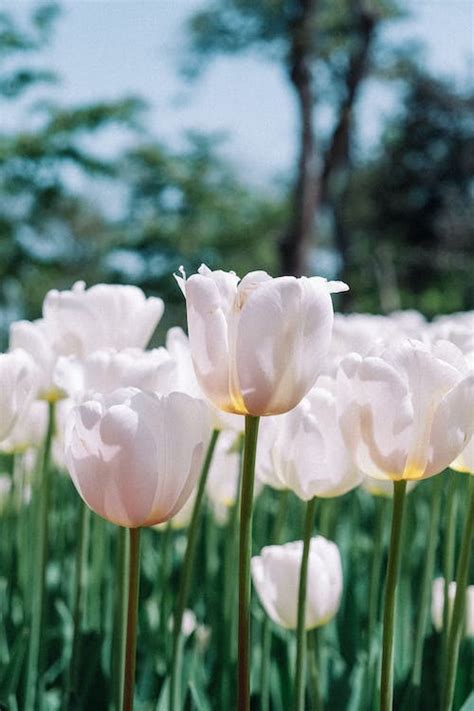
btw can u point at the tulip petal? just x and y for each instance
(283, 334)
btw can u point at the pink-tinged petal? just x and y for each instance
(207, 325)
(428, 379)
(453, 426)
(134, 457)
(375, 415)
(177, 455)
(283, 334)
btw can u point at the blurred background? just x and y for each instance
(331, 137)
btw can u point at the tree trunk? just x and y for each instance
(294, 246)
(337, 161)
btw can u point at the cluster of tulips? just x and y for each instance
(269, 389)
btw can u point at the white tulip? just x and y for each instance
(456, 328)
(304, 451)
(106, 370)
(18, 385)
(464, 462)
(406, 412)
(437, 605)
(29, 430)
(276, 574)
(183, 379)
(103, 316)
(257, 344)
(135, 457)
(223, 480)
(39, 340)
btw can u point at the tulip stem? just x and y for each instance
(457, 619)
(314, 657)
(300, 670)
(245, 553)
(120, 616)
(427, 583)
(186, 575)
(72, 677)
(132, 616)
(448, 561)
(374, 592)
(393, 567)
(41, 552)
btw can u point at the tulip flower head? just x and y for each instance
(104, 316)
(135, 457)
(183, 379)
(106, 370)
(276, 572)
(303, 450)
(17, 387)
(258, 343)
(406, 412)
(465, 461)
(437, 605)
(29, 430)
(38, 339)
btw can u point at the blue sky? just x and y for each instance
(109, 48)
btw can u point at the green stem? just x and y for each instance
(457, 619)
(245, 553)
(120, 617)
(448, 561)
(275, 538)
(393, 567)
(132, 617)
(166, 562)
(374, 593)
(229, 602)
(427, 582)
(72, 678)
(315, 685)
(300, 670)
(186, 575)
(41, 553)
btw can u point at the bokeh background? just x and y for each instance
(298, 136)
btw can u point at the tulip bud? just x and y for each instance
(135, 457)
(276, 574)
(257, 344)
(406, 412)
(17, 387)
(437, 605)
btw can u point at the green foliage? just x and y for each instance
(209, 661)
(410, 208)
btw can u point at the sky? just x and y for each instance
(111, 48)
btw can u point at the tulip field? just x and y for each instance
(274, 512)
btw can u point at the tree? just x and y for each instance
(185, 208)
(46, 226)
(411, 205)
(313, 39)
